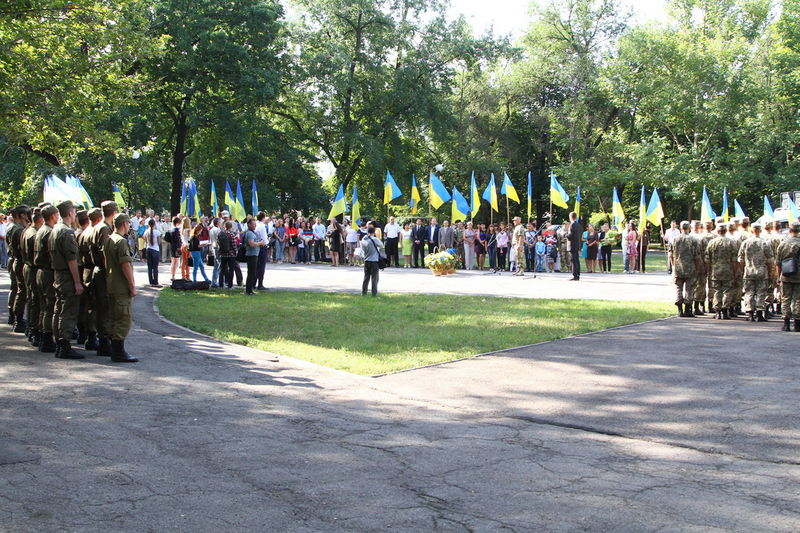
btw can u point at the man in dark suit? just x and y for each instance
(432, 236)
(418, 246)
(574, 236)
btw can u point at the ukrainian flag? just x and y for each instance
(356, 209)
(706, 211)
(474, 197)
(490, 194)
(415, 198)
(530, 194)
(725, 204)
(241, 214)
(558, 195)
(118, 196)
(460, 208)
(794, 211)
(655, 211)
(737, 209)
(339, 206)
(578, 203)
(642, 211)
(439, 194)
(195, 198)
(85, 198)
(390, 189)
(508, 189)
(213, 201)
(616, 209)
(768, 212)
(185, 198)
(230, 203)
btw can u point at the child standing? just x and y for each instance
(541, 250)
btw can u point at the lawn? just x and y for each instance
(369, 336)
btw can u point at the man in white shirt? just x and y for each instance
(668, 237)
(391, 232)
(213, 246)
(432, 236)
(320, 234)
(263, 252)
(164, 227)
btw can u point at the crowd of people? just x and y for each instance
(71, 278)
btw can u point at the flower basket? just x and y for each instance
(442, 263)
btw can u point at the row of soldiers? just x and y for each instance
(731, 262)
(71, 279)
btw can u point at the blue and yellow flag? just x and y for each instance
(474, 197)
(241, 213)
(616, 210)
(195, 207)
(213, 201)
(558, 195)
(438, 193)
(724, 214)
(390, 189)
(460, 209)
(530, 195)
(508, 189)
(185, 198)
(230, 202)
(578, 202)
(737, 209)
(642, 211)
(768, 212)
(490, 194)
(356, 209)
(254, 198)
(706, 211)
(118, 196)
(339, 205)
(415, 197)
(85, 200)
(794, 211)
(655, 211)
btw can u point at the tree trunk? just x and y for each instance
(178, 157)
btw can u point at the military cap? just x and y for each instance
(719, 220)
(94, 212)
(756, 225)
(120, 219)
(745, 219)
(42, 205)
(794, 226)
(722, 226)
(66, 205)
(685, 225)
(736, 219)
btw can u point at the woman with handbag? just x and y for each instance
(196, 249)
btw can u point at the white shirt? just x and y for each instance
(3, 228)
(135, 223)
(319, 230)
(624, 235)
(352, 235)
(261, 232)
(671, 233)
(391, 231)
(213, 234)
(156, 236)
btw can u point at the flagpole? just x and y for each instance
(508, 212)
(664, 242)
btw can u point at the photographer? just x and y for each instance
(373, 250)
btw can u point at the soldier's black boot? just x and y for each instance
(36, 338)
(725, 315)
(11, 317)
(65, 350)
(81, 334)
(91, 341)
(688, 311)
(797, 325)
(749, 317)
(118, 353)
(680, 309)
(778, 309)
(697, 311)
(786, 321)
(718, 315)
(75, 333)
(47, 344)
(104, 347)
(21, 325)
(760, 316)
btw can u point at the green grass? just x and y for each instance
(369, 336)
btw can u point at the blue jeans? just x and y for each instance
(493, 257)
(539, 262)
(197, 262)
(279, 250)
(3, 254)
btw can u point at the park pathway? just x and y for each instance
(675, 424)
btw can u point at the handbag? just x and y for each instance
(241, 254)
(210, 260)
(381, 257)
(789, 266)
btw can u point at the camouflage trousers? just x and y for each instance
(21, 295)
(684, 289)
(755, 294)
(12, 291)
(47, 300)
(700, 291)
(33, 296)
(790, 300)
(723, 293)
(100, 304)
(67, 306)
(120, 311)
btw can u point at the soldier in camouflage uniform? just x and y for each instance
(12, 291)
(774, 238)
(563, 251)
(95, 216)
(45, 278)
(23, 213)
(518, 240)
(790, 284)
(82, 219)
(756, 255)
(63, 250)
(721, 256)
(708, 234)
(100, 234)
(121, 287)
(29, 272)
(686, 261)
(702, 277)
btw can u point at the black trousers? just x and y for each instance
(252, 272)
(263, 254)
(417, 254)
(319, 249)
(432, 247)
(605, 258)
(371, 272)
(502, 254)
(226, 271)
(576, 264)
(153, 257)
(391, 251)
(642, 258)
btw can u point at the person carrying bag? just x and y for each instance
(374, 260)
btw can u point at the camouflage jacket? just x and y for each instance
(756, 254)
(790, 247)
(684, 251)
(721, 254)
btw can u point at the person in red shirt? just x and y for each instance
(292, 240)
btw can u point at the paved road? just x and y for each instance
(669, 425)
